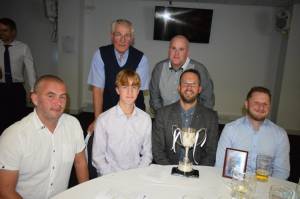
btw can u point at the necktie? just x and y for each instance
(8, 78)
(120, 58)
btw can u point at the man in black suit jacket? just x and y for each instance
(187, 112)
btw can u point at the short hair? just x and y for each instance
(122, 22)
(9, 22)
(259, 89)
(45, 78)
(125, 75)
(191, 71)
(180, 37)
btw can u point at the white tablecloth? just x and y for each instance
(155, 182)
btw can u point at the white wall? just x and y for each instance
(289, 106)
(70, 49)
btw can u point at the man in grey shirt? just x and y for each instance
(165, 76)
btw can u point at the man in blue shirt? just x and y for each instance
(257, 135)
(109, 60)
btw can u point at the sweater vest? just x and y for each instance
(112, 68)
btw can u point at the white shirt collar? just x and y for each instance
(121, 113)
(13, 43)
(39, 124)
(125, 54)
(184, 66)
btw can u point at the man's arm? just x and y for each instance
(97, 105)
(97, 101)
(29, 67)
(156, 101)
(224, 142)
(8, 182)
(281, 167)
(207, 96)
(146, 153)
(158, 141)
(212, 140)
(99, 149)
(143, 71)
(81, 167)
(96, 79)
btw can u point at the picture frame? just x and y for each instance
(234, 159)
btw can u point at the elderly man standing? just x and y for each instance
(111, 59)
(165, 76)
(37, 152)
(186, 112)
(257, 135)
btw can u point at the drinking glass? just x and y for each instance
(243, 185)
(263, 167)
(280, 192)
(250, 180)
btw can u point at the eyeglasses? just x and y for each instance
(189, 84)
(119, 36)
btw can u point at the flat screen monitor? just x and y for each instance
(195, 24)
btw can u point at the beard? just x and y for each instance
(188, 100)
(255, 117)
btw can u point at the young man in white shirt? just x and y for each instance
(123, 133)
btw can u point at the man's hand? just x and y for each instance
(91, 128)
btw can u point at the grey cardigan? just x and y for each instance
(206, 97)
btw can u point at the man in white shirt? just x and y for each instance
(123, 133)
(15, 57)
(37, 152)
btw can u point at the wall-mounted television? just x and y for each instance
(193, 23)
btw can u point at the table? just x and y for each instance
(155, 182)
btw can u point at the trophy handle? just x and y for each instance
(201, 143)
(176, 134)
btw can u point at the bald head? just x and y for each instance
(180, 38)
(46, 78)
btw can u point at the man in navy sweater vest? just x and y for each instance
(111, 59)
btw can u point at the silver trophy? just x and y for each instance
(188, 138)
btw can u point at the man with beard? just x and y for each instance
(257, 135)
(186, 112)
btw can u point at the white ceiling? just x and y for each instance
(281, 3)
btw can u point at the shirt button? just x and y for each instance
(54, 151)
(51, 184)
(53, 167)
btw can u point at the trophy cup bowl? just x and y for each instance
(188, 139)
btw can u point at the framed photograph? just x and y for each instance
(234, 159)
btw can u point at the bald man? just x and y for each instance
(165, 76)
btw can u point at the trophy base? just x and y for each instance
(194, 173)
